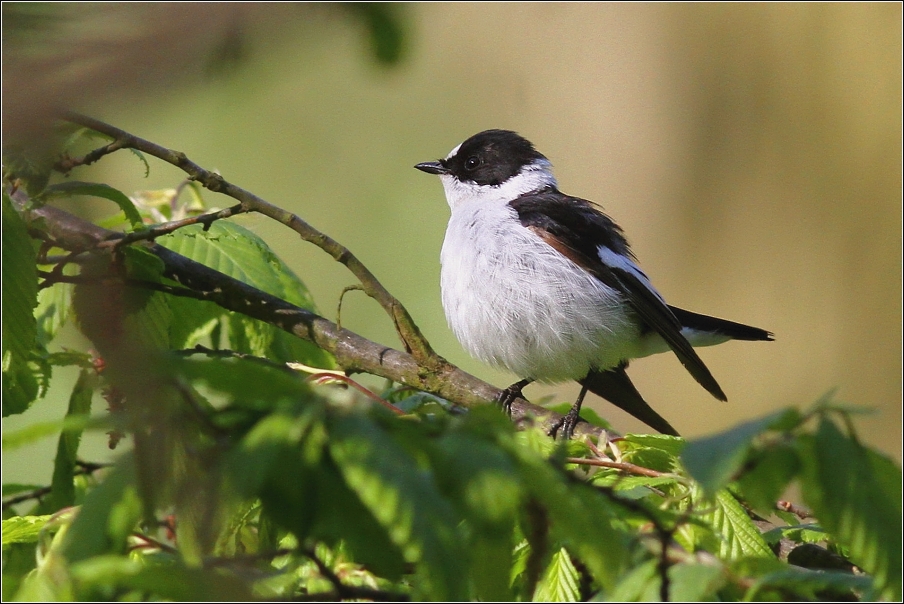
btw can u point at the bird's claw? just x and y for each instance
(509, 395)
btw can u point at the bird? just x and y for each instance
(545, 285)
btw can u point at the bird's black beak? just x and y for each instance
(432, 167)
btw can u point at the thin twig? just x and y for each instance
(330, 376)
(151, 233)
(618, 465)
(799, 511)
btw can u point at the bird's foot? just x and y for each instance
(566, 424)
(570, 420)
(508, 396)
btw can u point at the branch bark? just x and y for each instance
(352, 352)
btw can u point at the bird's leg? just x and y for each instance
(571, 419)
(508, 396)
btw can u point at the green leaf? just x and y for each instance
(23, 529)
(62, 492)
(93, 189)
(715, 460)
(738, 535)
(19, 297)
(193, 321)
(561, 581)
(856, 494)
(404, 500)
(239, 253)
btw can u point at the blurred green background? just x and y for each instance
(752, 153)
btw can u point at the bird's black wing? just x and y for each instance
(579, 229)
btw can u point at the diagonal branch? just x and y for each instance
(353, 353)
(412, 339)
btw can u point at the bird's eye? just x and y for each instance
(472, 162)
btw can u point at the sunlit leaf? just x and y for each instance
(560, 581)
(23, 529)
(738, 535)
(856, 495)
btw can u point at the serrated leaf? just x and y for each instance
(672, 445)
(239, 253)
(738, 535)
(93, 189)
(19, 298)
(560, 582)
(856, 495)
(404, 500)
(23, 529)
(714, 461)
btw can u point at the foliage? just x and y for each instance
(247, 479)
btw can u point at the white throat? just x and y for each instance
(532, 177)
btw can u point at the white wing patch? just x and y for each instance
(620, 261)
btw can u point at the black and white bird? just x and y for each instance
(545, 285)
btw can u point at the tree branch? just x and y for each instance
(353, 353)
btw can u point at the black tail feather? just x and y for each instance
(615, 386)
(735, 331)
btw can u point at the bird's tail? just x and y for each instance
(735, 331)
(615, 386)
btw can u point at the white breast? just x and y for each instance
(515, 302)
